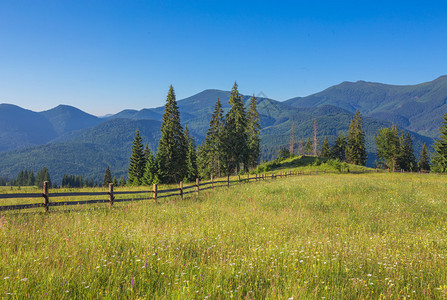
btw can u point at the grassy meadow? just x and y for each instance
(333, 236)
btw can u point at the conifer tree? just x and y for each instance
(146, 153)
(308, 147)
(424, 163)
(136, 166)
(115, 181)
(339, 148)
(406, 159)
(388, 146)
(43, 175)
(31, 178)
(203, 163)
(171, 151)
(191, 157)
(150, 170)
(253, 130)
(122, 181)
(356, 148)
(439, 158)
(325, 150)
(107, 177)
(235, 140)
(211, 153)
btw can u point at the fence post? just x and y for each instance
(155, 192)
(248, 177)
(256, 177)
(111, 198)
(181, 190)
(238, 178)
(212, 182)
(228, 180)
(197, 186)
(46, 199)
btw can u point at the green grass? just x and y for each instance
(348, 236)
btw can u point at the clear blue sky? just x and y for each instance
(105, 56)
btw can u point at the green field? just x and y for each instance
(333, 236)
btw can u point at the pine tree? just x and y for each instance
(203, 163)
(191, 157)
(172, 147)
(146, 153)
(325, 151)
(356, 148)
(150, 170)
(235, 140)
(136, 161)
(107, 177)
(253, 130)
(122, 181)
(439, 158)
(308, 147)
(115, 181)
(31, 178)
(43, 175)
(388, 146)
(424, 164)
(406, 158)
(211, 153)
(339, 148)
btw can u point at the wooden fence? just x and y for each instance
(156, 193)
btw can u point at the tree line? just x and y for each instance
(232, 145)
(394, 149)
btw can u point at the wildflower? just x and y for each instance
(24, 279)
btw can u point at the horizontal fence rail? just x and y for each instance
(153, 194)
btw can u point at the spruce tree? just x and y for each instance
(191, 157)
(211, 153)
(42, 176)
(439, 158)
(203, 163)
(325, 150)
(107, 177)
(339, 148)
(356, 148)
(253, 130)
(235, 139)
(146, 152)
(308, 147)
(406, 159)
(122, 181)
(388, 147)
(171, 151)
(136, 161)
(424, 163)
(150, 170)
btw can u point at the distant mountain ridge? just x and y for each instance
(68, 140)
(418, 108)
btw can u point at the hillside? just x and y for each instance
(418, 108)
(85, 154)
(66, 119)
(55, 135)
(21, 128)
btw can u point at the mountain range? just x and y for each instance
(70, 141)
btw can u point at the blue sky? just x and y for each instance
(105, 56)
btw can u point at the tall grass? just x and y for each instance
(334, 236)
